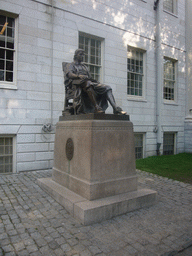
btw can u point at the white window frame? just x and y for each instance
(13, 136)
(89, 36)
(143, 140)
(5, 84)
(175, 62)
(137, 97)
(175, 140)
(174, 7)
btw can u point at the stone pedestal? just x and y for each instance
(94, 168)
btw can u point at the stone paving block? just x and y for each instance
(72, 241)
(28, 242)
(65, 247)
(45, 249)
(23, 253)
(55, 234)
(53, 245)
(40, 242)
(94, 249)
(4, 242)
(119, 253)
(79, 247)
(48, 238)
(58, 252)
(36, 254)
(12, 232)
(67, 235)
(61, 230)
(60, 240)
(8, 248)
(86, 253)
(86, 242)
(71, 253)
(3, 236)
(32, 248)
(10, 254)
(9, 227)
(19, 246)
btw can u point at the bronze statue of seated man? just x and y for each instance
(90, 96)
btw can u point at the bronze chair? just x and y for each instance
(69, 92)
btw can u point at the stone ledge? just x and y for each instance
(92, 190)
(94, 116)
(89, 212)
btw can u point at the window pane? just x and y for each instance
(2, 64)
(168, 5)
(1, 150)
(9, 65)
(8, 141)
(11, 22)
(92, 42)
(7, 28)
(138, 146)
(10, 45)
(6, 154)
(81, 40)
(7, 168)
(169, 79)
(168, 143)
(1, 75)
(2, 54)
(2, 40)
(7, 160)
(9, 76)
(135, 71)
(10, 32)
(9, 55)
(2, 20)
(92, 57)
(1, 160)
(8, 150)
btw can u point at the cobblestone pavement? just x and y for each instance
(32, 223)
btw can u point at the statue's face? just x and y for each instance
(80, 56)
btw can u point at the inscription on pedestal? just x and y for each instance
(69, 149)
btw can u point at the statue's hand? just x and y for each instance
(83, 77)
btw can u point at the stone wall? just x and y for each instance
(48, 35)
(188, 118)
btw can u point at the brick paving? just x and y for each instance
(32, 223)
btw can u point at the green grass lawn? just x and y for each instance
(177, 167)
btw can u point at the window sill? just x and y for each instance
(166, 102)
(171, 13)
(8, 86)
(135, 98)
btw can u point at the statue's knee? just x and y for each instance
(88, 86)
(109, 88)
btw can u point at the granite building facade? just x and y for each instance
(140, 48)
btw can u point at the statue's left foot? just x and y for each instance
(119, 111)
(99, 110)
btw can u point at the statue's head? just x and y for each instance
(77, 52)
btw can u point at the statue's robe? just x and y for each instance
(81, 101)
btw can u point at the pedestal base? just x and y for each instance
(94, 174)
(89, 212)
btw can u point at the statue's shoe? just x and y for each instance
(119, 111)
(99, 110)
